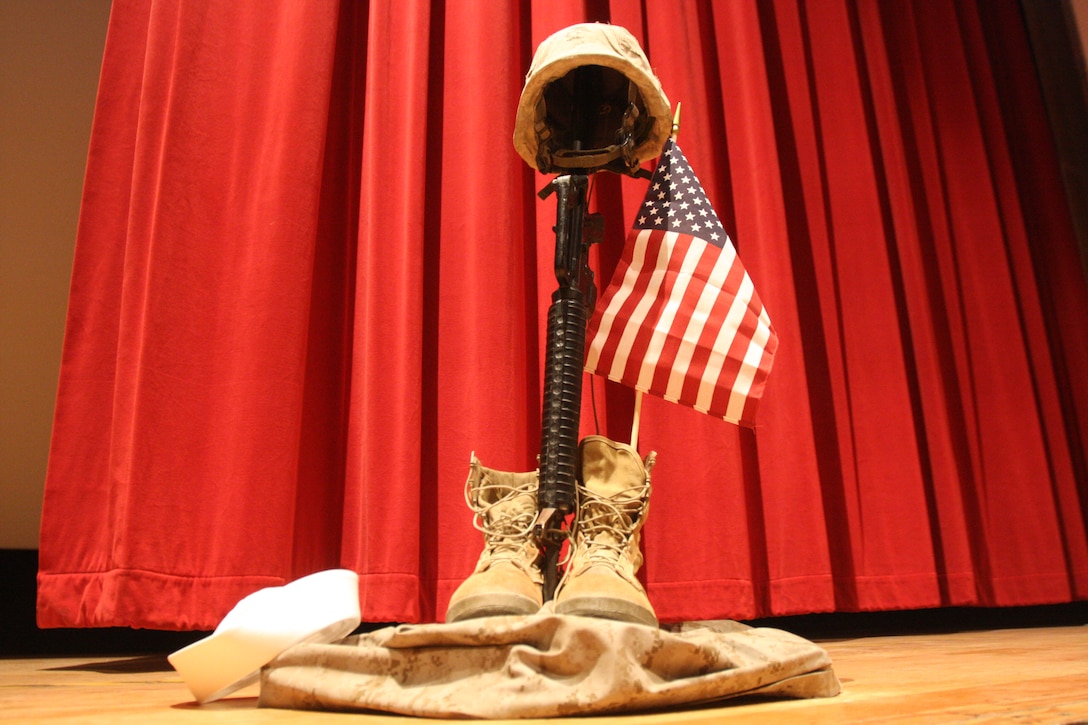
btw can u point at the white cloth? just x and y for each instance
(321, 607)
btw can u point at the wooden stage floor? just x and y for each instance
(1032, 675)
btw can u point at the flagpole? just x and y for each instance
(636, 418)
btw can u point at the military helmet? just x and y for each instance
(591, 102)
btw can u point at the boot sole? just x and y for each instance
(605, 608)
(491, 605)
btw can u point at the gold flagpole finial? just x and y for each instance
(676, 121)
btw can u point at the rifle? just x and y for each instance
(563, 364)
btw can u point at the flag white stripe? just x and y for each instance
(699, 317)
(608, 318)
(721, 345)
(748, 370)
(668, 314)
(638, 316)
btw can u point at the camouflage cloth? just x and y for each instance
(544, 665)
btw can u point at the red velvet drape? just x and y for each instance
(311, 274)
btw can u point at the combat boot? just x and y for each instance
(613, 501)
(506, 579)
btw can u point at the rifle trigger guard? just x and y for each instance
(543, 519)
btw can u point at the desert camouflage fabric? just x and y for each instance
(545, 665)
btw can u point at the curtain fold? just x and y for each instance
(312, 274)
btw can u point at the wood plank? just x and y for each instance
(1037, 675)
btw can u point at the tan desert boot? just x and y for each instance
(614, 499)
(506, 579)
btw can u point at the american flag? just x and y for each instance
(680, 318)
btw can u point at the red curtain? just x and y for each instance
(311, 277)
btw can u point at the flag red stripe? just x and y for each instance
(628, 293)
(734, 361)
(687, 310)
(760, 383)
(702, 319)
(718, 317)
(631, 314)
(676, 247)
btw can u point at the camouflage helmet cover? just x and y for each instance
(630, 120)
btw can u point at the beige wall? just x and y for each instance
(50, 55)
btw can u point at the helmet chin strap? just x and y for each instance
(590, 159)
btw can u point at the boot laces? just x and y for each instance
(506, 525)
(605, 524)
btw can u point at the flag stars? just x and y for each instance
(675, 201)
